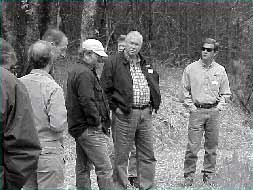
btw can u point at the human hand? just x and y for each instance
(118, 111)
(106, 131)
(192, 108)
(219, 107)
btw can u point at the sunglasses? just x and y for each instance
(207, 49)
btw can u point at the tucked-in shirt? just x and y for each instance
(48, 104)
(205, 85)
(141, 91)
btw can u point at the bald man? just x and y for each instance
(50, 117)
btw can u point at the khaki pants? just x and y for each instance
(50, 171)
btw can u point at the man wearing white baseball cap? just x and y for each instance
(95, 46)
(88, 117)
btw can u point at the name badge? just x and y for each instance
(150, 71)
(215, 82)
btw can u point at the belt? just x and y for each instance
(141, 107)
(206, 106)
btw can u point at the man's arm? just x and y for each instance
(224, 91)
(57, 111)
(86, 97)
(186, 96)
(106, 82)
(20, 139)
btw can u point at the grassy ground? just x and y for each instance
(234, 160)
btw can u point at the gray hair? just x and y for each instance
(135, 34)
(40, 54)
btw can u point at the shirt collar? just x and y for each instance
(137, 58)
(206, 67)
(41, 72)
(89, 66)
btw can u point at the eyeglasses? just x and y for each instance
(207, 49)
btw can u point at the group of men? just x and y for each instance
(34, 117)
(34, 114)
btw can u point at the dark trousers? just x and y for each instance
(92, 149)
(134, 128)
(202, 121)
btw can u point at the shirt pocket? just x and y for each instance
(215, 82)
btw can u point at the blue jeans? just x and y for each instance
(132, 165)
(202, 121)
(92, 148)
(129, 129)
(50, 171)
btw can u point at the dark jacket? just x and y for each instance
(85, 102)
(20, 147)
(117, 83)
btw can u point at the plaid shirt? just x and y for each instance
(141, 91)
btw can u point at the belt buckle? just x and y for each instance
(141, 107)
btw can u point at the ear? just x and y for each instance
(86, 57)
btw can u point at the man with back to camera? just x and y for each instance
(48, 105)
(132, 88)
(205, 89)
(89, 118)
(20, 147)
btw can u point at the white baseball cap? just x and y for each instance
(95, 46)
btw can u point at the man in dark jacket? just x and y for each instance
(88, 117)
(20, 147)
(132, 88)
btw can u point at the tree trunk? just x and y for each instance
(70, 13)
(88, 20)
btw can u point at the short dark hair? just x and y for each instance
(53, 35)
(121, 38)
(211, 41)
(6, 52)
(40, 58)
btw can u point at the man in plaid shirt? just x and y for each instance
(132, 88)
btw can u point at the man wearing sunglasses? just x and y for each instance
(205, 89)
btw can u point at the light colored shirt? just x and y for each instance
(205, 85)
(48, 105)
(141, 91)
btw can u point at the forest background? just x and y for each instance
(172, 31)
